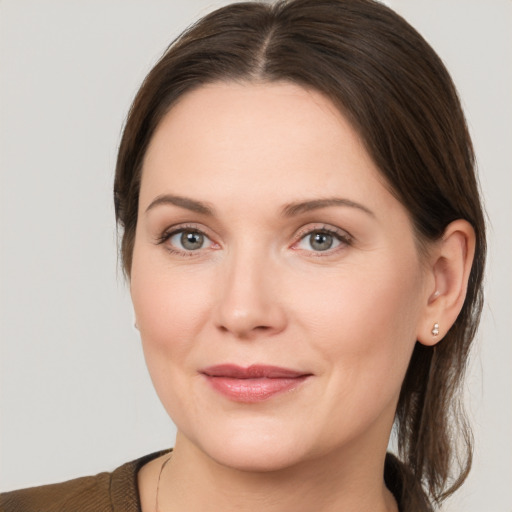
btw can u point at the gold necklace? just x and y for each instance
(157, 509)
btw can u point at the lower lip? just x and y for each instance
(253, 390)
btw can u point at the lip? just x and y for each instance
(255, 383)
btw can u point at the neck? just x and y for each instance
(192, 481)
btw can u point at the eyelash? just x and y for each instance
(341, 236)
(167, 235)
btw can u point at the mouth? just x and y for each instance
(255, 383)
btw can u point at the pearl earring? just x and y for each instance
(435, 330)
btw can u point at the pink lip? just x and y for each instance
(253, 384)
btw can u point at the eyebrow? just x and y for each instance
(293, 209)
(182, 202)
(289, 210)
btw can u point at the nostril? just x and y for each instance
(247, 331)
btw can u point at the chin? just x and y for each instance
(253, 450)
(260, 459)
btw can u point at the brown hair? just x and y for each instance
(399, 97)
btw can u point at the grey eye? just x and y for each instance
(321, 241)
(191, 240)
(188, 240)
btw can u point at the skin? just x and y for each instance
(257, 291)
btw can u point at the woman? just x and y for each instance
(304, 242)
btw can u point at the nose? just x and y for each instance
(249, 303)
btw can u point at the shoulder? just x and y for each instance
(83, 494)
(106, 492)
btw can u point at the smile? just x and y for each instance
(255, 383)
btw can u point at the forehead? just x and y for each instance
(276, 141)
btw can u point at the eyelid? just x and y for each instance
(341, 234)
(169, 232)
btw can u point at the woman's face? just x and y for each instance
(276, 281)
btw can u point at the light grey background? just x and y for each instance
(75, 395)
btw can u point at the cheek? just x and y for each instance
(170, 307)
(364, 330)
(364, 322)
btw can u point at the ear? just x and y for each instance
(450, 265)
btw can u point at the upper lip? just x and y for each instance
(255, 371)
